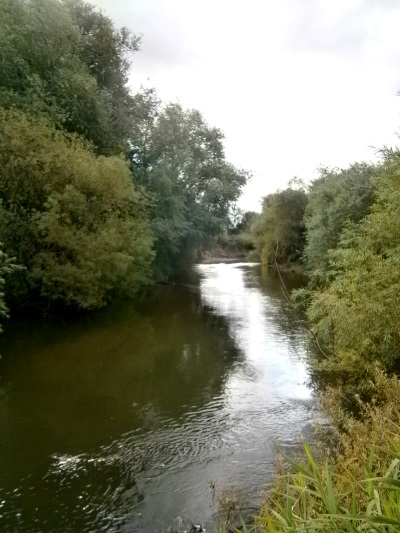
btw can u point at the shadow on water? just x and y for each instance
(118, 420)
(175, 355)
(68, 387)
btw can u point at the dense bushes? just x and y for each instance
(356, 314)
(73, 219)
(279, 231)
(337, 197)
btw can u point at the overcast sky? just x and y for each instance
(294, 84)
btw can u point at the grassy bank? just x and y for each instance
(355, 483)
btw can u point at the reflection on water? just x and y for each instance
(118, 421)
(256, 331)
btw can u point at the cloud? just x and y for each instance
(292, 83)
(345, 28)
(163, 36)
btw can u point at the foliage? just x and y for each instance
(245, 221)
(316, 499)
(335, 198)
(179, 160)
(66, 59)
(235, 242)
(72, 219)
(356, 315)
(105, 50)
(278, 232)
(76, 221)
(7, 266)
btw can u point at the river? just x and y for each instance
(119, 420)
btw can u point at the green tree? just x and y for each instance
(278, 232)
(74, 220)
(238, 234)
(335, 198)
(179, 160)
(245, 221)
(66, 59)
(357, 315)
(7, 266)
(106, 52)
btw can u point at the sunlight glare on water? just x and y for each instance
(275, 362)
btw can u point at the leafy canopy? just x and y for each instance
(74, 220)
(66, 60)
(278, 232)
(179, 160)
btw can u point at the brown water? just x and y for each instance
(118, 421)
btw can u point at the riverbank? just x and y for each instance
(230, 256)
(354, 485)
(224, 254)
(227, 260)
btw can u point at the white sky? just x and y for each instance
(294, 84)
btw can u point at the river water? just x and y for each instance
(119, 420)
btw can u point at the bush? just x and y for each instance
(74, 220)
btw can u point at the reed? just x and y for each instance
(357, 491)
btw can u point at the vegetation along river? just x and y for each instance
(120, 420)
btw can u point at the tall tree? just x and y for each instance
(336, 198)
(278, 232)
(106, 51)
(67, 60)
(180, 161)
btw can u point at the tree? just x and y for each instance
(238, 236)
(74, 220)
(179, 160)
(66, 59)
(75, 217)
(336, 198)
(7, 266)
(356, 314)
(106, 52)
(278, 232)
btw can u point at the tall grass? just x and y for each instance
(358, 490)
(317, 498)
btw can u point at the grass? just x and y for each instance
(317, 498)
(354, 487)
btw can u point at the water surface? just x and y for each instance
(118, 421)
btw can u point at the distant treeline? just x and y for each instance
(102, 190)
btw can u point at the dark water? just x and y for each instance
(118, 421)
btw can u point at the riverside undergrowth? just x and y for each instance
(354, 486)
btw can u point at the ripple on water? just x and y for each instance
(141, 479)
